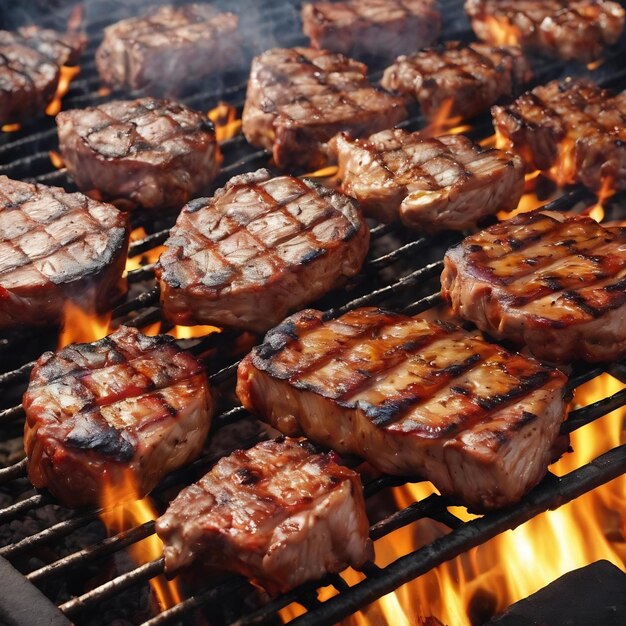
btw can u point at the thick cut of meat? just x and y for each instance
(56, 246)
(278, 513)
(298, 99)
(460, 80)
(553, 283)
(260, 248)
(125, 406)
(169, 48)
(568, 29)
(154, 154)
(30, 61)
(365, 28)
(412, 398)
(573, 130)
(429, 183)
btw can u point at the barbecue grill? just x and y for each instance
(62, 557)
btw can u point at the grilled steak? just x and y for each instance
(278, 513)
(154, 154)
(97, 412)
(299, 98)
(257, 250)
(430, 184)
(364, 28)
(555, 284)
(30, 61)
(572, 130)
(411, 397)
(460, 80)
(169, 48)
(568, 29)
(56, 246)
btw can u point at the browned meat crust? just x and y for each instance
(278, 513)
(430, 184)
(569, 29)
(125, 405)
(148, 153)
(463, 80)
(299, 98)
(56, 246)
(169, 48)
(364, 28)
(573, 130)
(412, 398)
(555, 284)
(259, 249)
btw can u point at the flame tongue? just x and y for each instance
(68, 74)
(224, 118)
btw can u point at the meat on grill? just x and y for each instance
(127, 406)
(365, 28)
(148, 153)
(462, 80)
(571, 129)
(56, 246)
(30, 61)
(278, 513)
(556, 284)
(429, 183)
(412, 398)
(568, 29)
(169, 48)
(299, 98)
(260, 248)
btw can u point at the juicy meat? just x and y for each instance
(412, 398)
(568, 29)
(572, 129)
(365, 28)
(299, 98)
(456, 79)
(429, 183)
(554, 283)
(30, 61)
(125, 407)
(278, 513)
(260, 248)
(56, 246)
(169, 48)
(148, 153)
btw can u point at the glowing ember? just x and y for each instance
(122, 510)
(224, 118)
(56, 159)
(443, 123)
(594, 65)
(104, 92)
(68, 74)
(10, 128)
(80, 326)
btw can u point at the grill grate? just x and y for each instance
(400, 272)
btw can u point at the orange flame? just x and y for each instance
(325, 172)
(139, 261)
(68, 74)
(444, 123)
(502, 32)
(529, 200)
(80, 326)
(607, 189)
(10, 128)
(594, 65)
(56, 159)
(224, 118)
(192, 332)
(122, 510)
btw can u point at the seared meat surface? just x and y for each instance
(299, 98)
(412, 398)
(169, 48)
(364, 28)
(260, 248)
(148, 153)
(30, 61)
(462, 80)
(278, 513)
(556, 284)
(572, 130)
(429, 183)
(568, 29)
(97, 412)
(56, 246)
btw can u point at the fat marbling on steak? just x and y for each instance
(412, 398)
(127, 404)
(279, 513)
